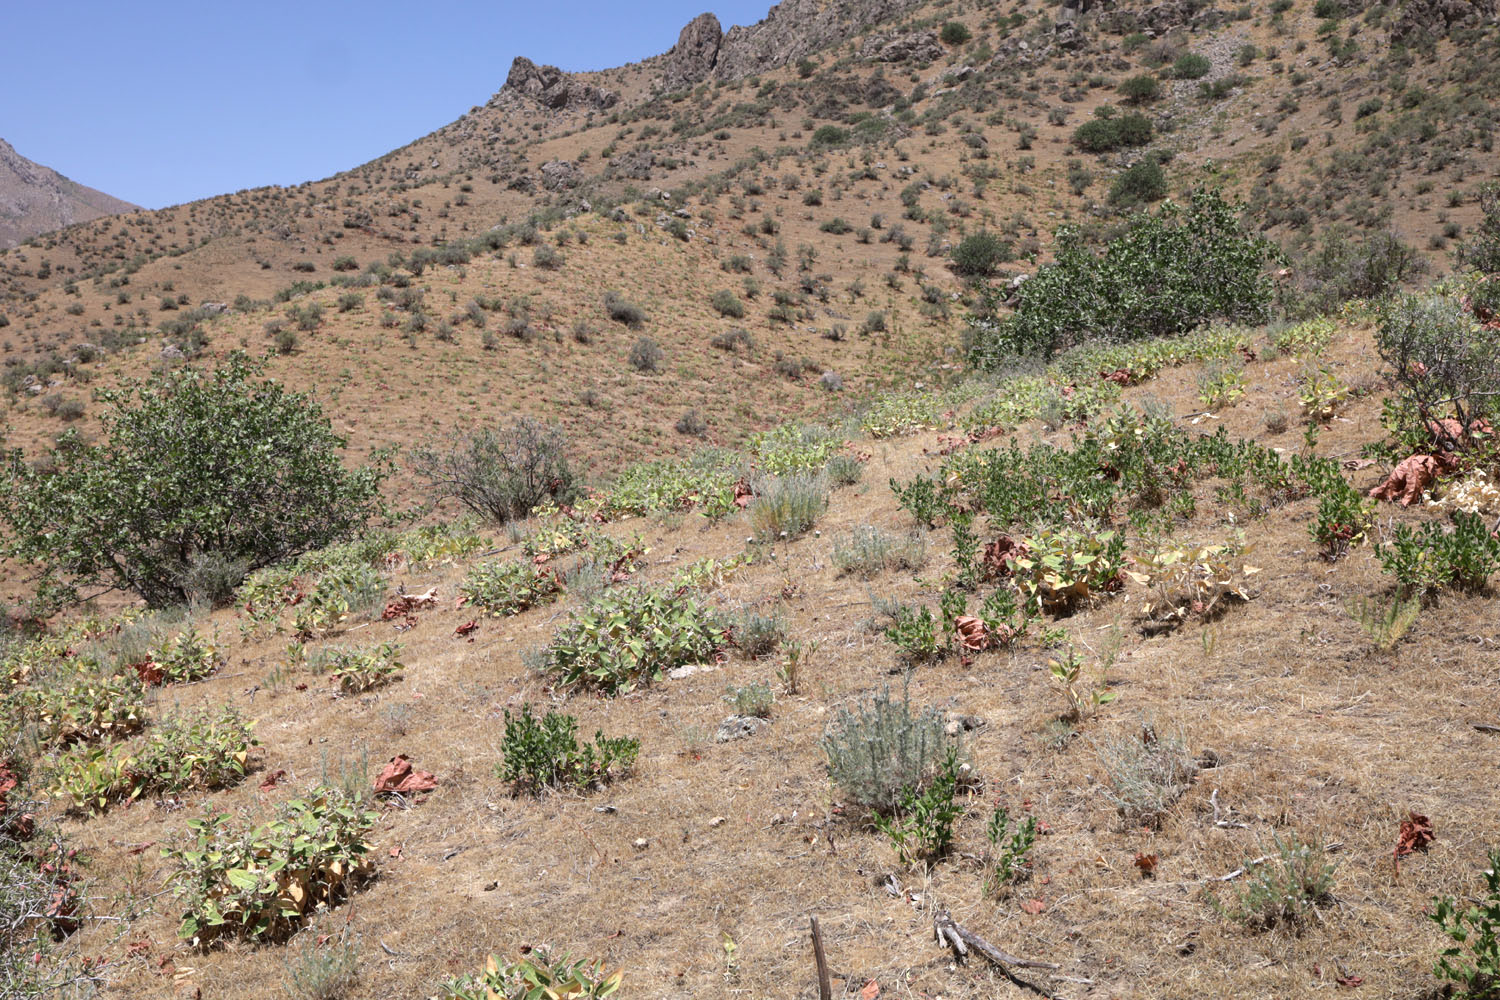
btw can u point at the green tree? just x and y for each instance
(1168, 273)
(199, 468)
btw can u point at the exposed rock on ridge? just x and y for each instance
(552, 88)
(35, 199)
(693, 58)
(797, 28)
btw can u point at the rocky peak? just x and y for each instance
(552, 88)
(692, 59)
(797, 28)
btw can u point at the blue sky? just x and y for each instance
(163, 102)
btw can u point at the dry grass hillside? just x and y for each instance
(1105, 654)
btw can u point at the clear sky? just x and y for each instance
(160, 102)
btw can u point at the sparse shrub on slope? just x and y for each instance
(1445, 362)
(884, 749)
(632, 636)
(1481, 251)
(195, 463)
(540, 754)
(1167, 274)
(262, 882)
(1143, 182)
(979, 254)
(501, 474)
(1473, 924)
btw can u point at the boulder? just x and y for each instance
(912, 46)
(796, 28)
(1433, 19)
(559, 175)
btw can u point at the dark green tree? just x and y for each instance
(198, 468)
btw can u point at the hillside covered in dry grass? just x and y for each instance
(1012, 469)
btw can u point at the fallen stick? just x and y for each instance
(825, 985)
(961, 939)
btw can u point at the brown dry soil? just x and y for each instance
(1314, 734)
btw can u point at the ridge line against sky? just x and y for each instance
(162, 103)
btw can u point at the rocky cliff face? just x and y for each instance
(693, 59)
(552, 88)
(35, 199)
(797, 28)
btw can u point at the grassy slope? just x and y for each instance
(1316, 735)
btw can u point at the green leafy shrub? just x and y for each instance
(508, 588)
(1063, 567)
(207, 750)
(1191, 66)
(1010, 847)
(1427, 558)
(1347, 266)
(1104, 135)
(954, 33)
(359, 669)
(501, 474)
(916, 632)
(1445, 362)
(187, 656)
(979, 254)
(262, 882)
(1141, 89)
(705, 481)
(341, 590)
(241, 469)
(922, 824)
(882, 749)
(538, 975)
(545, 753)
(726, 303)
(631, 636)
(80, 702)
(1473, 960)
(788, 506)
(1167, 274)
(829, 136)
(1141, 183)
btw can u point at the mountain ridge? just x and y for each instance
(36, 199)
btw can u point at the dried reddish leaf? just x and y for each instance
(1000, 556)
(402, 605)
(870, 991)
(1416, 833)
(150, 672)
(1147, 864)
(1350, 982)
(1411, 478)
(467, 628)
(1033, 906)
(400, 777)
(272, 780)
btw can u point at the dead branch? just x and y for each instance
(958, 937)
(825, 985)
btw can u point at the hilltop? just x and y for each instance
(35, 199)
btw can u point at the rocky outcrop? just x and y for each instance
(1433, 19)
(693, 58)
(35, 199)
(1158, 19)
(559, 175)
(796, 28)
(634, 165)
(910, 46)
(552, 88)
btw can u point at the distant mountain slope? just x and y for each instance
(36, 199)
